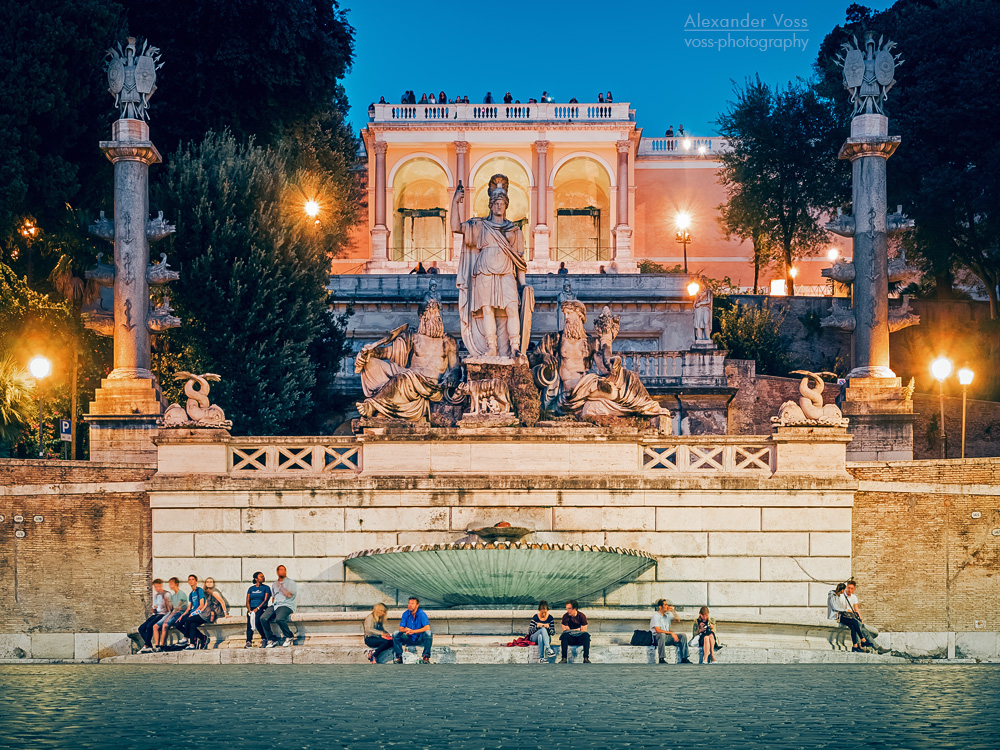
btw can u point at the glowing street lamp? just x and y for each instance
(683, 236)
(832, 254)
(793, 272)
(965, 376)
(40, 368)
(693, 288)
(312, 209)
(941, 369)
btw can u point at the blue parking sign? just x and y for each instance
(65, 430)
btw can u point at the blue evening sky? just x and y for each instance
(646, 53)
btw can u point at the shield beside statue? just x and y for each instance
(885, 66)
(145, 75)
(116, 75)
(527, 309)
(854, 69)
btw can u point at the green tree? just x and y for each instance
(17, 401)
(781, 165)
(750, 332)
(741, 217)
(252, 294)
(946, 172)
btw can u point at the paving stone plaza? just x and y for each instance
(447, 706)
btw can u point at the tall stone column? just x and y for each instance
(623, 231)
(461, 175)
(540, 234)
(380, 232)
(126, 408)
(879, 408)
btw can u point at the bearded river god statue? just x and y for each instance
(580, 376)
(403, 373)
(491, 269)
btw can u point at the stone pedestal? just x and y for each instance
(624, 262)
(881, 414)
(122, 420)
(818, 450)
(380, 249)
(503, 382)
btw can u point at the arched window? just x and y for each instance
(582, 203)
(420, 212)
(518, 191)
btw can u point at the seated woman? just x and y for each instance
(377, 638)
(215, 609)
(541, 628)
(704, 631)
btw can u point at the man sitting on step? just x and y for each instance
(414, 630)
(574, 627)
(659, 626)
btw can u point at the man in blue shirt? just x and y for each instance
(258, 596)
(189, 623)
(414, 630)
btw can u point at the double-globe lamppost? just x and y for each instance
(941, 369)
(683, 236)
(40, 368)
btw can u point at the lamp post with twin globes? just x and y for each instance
(40, 368)
(683, 236)
(941, 369)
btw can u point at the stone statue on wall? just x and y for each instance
(491, 269)
(403, 373)
(199, 411)
(810, 410)
(868, 73)
(580, 376)
(132, 78)
(703, 316)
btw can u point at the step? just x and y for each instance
(476, 654)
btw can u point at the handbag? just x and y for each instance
(641, 638)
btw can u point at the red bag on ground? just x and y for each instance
(521, 641)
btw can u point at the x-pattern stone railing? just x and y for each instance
(751, 453)
(294, 456)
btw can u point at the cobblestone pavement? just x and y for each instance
(481, 706)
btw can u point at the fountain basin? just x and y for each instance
(501, 573)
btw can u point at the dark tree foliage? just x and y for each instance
(249, 66)
(54, 108)
(252, 294)
(945, 105)
(746, 331)
(781, 172)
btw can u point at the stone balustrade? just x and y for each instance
(682, 146)
(498, 111)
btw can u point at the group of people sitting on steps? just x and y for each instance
(267, 607)
(415, 630)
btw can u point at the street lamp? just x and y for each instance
(965, 376)
(941, 369)
(693, 288)
(683, 236)
(311, 209)
(39, 367)
(832, 254)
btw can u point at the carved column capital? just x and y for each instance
(143, 151)
(461, 147)
(541, 147)
(624, 147)
(380, 147)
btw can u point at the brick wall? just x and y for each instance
(922, 561)
(84, 567)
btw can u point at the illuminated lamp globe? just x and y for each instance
(312, 208)
(941, 368)
(39, 367)
(965, 376)
(693, 288)
(683, 220)
(832, 254)
(793, 272)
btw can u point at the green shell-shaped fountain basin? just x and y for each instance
(500, 573)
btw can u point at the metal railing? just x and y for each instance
(498, 111)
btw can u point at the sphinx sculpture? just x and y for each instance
(810, 410)
(404, 372)
(579, 376)
(199, 411)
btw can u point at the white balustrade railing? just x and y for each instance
(498, 111)
(718, 454)
(682, 146)
(294, 456)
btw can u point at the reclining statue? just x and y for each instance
(403, 373)
(580, 376)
